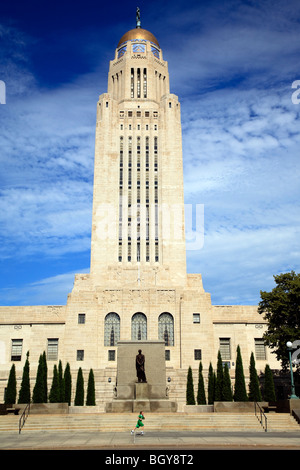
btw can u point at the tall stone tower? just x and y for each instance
(138, 288)
(138, 211)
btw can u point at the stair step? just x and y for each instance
(103, 422)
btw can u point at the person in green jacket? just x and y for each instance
(139, 423)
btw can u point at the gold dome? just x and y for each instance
(138, 33)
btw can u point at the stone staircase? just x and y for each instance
(102, 422)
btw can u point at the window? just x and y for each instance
(166, 328)
(111, 355)
(16, 349)
(225, 349)
(260, 350)
(81, 318)
(80, 355)
(196, 317)
(197, 354)
(52, 350)
(167, 355)
(111, 329)
(139, 327)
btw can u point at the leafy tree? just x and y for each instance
(219, 380)
(211, 385)
(90, 397)
(11, 390)
(79, 394)
(201, 398)
(254, 389)
(68, 384)
(281, 308)
(38, 395)
(269, 389)
(240, 393)
(24, 393)
(54, 395)
(226, 389)
(190, 397)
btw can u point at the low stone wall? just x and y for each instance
(198, 409)
(236, 407)
(49, 408)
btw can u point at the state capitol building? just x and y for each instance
(138, 288)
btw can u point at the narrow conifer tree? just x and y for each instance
(254, 389)
(61, 383)
(227, 389)
(201, 398)
(45, 369)
(90, 397)
(79, 394)
(54, 395)
(38, 395)
(219, 381)
(190, 396)
(11, 390)
(24, 392)
(269, 389)
(240, 393)
(68, 384)
(211, 385)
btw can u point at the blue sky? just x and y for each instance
(232, 65)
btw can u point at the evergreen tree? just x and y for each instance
(240, 393)
(54, 395)
(227, 389)
(269, 389)
(11, 390)
(201, 398)
(190, 397)
(61, 383)
(219, 380)
(38, 395)
(254, 389)
(211, 385)
(79, 394)
(90, 397)
(24, 393)
(68, 384)
(45, 368)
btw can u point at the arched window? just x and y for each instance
(111, 329)
(139, 326)
(166, 328)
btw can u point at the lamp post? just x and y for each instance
(289, 346)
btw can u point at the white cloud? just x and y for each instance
(232, 68)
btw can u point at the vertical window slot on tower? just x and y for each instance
(138, 83)
(132, 83)
(145, 83)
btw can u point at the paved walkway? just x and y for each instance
(151, 440)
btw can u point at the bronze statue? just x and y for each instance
(138, 18)
(140, 367)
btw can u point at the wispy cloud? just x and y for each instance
(232, 65)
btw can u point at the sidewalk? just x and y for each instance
(152, 440)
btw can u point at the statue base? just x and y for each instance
(133, 396)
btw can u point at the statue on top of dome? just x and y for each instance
(138, 18)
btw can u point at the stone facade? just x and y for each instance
(138, 288)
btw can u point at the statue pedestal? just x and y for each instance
(134, 396)
(141, 400)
